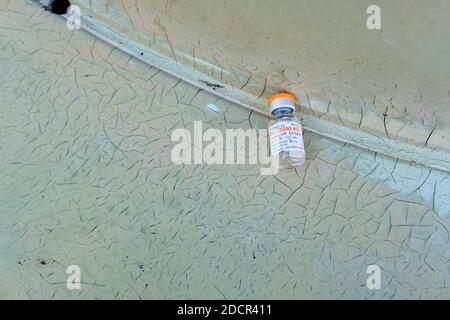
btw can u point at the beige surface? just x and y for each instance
(86, 179)
(392, 83)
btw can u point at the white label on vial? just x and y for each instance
(286, 136)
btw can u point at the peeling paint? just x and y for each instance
(86, 179)
(351, 76)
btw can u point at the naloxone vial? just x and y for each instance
(285, 132)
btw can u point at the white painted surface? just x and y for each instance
(86, 180)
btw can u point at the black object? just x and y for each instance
(58, 6)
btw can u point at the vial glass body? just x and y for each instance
(286, 139)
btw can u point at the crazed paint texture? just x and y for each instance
(86, 179)
(390, 87)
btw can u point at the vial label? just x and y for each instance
(286, 136)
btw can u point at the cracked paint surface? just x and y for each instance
(86, 179)
(392, 84)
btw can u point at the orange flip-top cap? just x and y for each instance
(283, 95)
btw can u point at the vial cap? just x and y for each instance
(281, 100)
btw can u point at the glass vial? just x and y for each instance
(285, 132)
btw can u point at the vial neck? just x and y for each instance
(280, 112)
